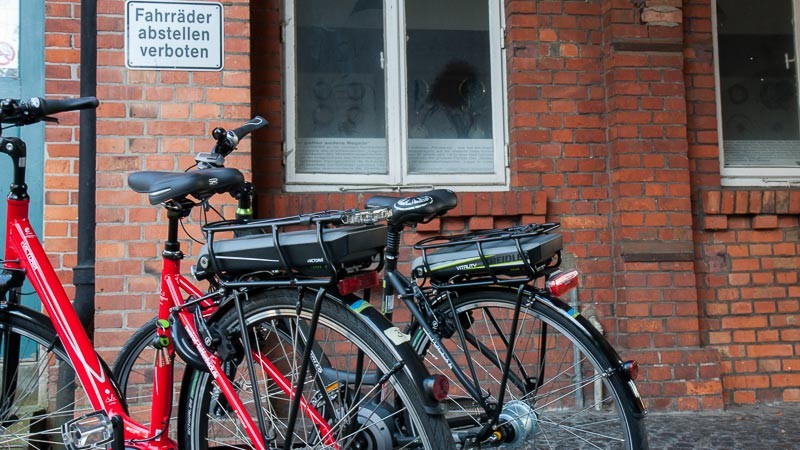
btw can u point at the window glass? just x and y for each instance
(341, 118)
(449, 79)
(758, 83)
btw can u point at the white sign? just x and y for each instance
(173, 35)
(335, 155)
(450, 155)
(9, 38)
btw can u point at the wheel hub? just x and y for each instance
(518, 422)
(374, 422)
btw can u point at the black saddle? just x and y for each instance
(420, 208)
(201, 184)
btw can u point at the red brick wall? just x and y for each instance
(613, 133)
(748, 275)
(147, 120)
(748, 249)
(613, 126)
(62, 59)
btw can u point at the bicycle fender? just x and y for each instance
(26, 314)
(399, 344)
(595, 336)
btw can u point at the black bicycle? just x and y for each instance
(523, 369)
(527, 370)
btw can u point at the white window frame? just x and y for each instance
(397, 115)
(751, 176)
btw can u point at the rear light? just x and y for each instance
(357, 282)
(437, 386)
(631, 369)
(562, 282)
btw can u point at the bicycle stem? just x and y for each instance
(16, 149)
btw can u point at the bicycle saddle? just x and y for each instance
(163, 186)
(420, 208)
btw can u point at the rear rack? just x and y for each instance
(466, 260)
(287, 273)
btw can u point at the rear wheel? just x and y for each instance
(361, 408)
(562, 391)
(30, 416)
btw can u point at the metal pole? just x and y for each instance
(83, 272)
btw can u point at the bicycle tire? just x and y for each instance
(31, 419)
(563, 409)
(381, 426)
(133, 370)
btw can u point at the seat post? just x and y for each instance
(391, 252)
(175, 212)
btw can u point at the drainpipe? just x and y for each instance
(83, 273)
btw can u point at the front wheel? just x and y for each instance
(354, 384)
(562, 390)
(33, 401)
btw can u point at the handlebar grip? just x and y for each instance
(38, 106)
(254, 124)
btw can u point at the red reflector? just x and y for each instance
(357, 282)
(631, 369)
(562, 282)
(438, 386)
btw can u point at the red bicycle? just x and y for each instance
(260, 372)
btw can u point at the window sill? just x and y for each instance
(378, 189)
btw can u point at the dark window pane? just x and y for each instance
(449, 87)
(758, 83)
(341, 118)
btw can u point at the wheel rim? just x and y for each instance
(562, 412)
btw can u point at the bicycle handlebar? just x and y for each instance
(228, 140)
(26, 112)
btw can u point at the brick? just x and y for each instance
(434, 226)
(661, 3)
(715, 222)
(782, 202)
(755, 202)
(765, 222)
(768, 202)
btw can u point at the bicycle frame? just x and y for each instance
(24, 251)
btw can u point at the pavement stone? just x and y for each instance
(756, 427)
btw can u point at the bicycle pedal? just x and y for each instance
(92, 431)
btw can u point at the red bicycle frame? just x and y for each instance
(24, 251)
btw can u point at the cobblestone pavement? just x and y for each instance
(740, 428)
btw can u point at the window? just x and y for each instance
(757, 91)
(394, 94)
